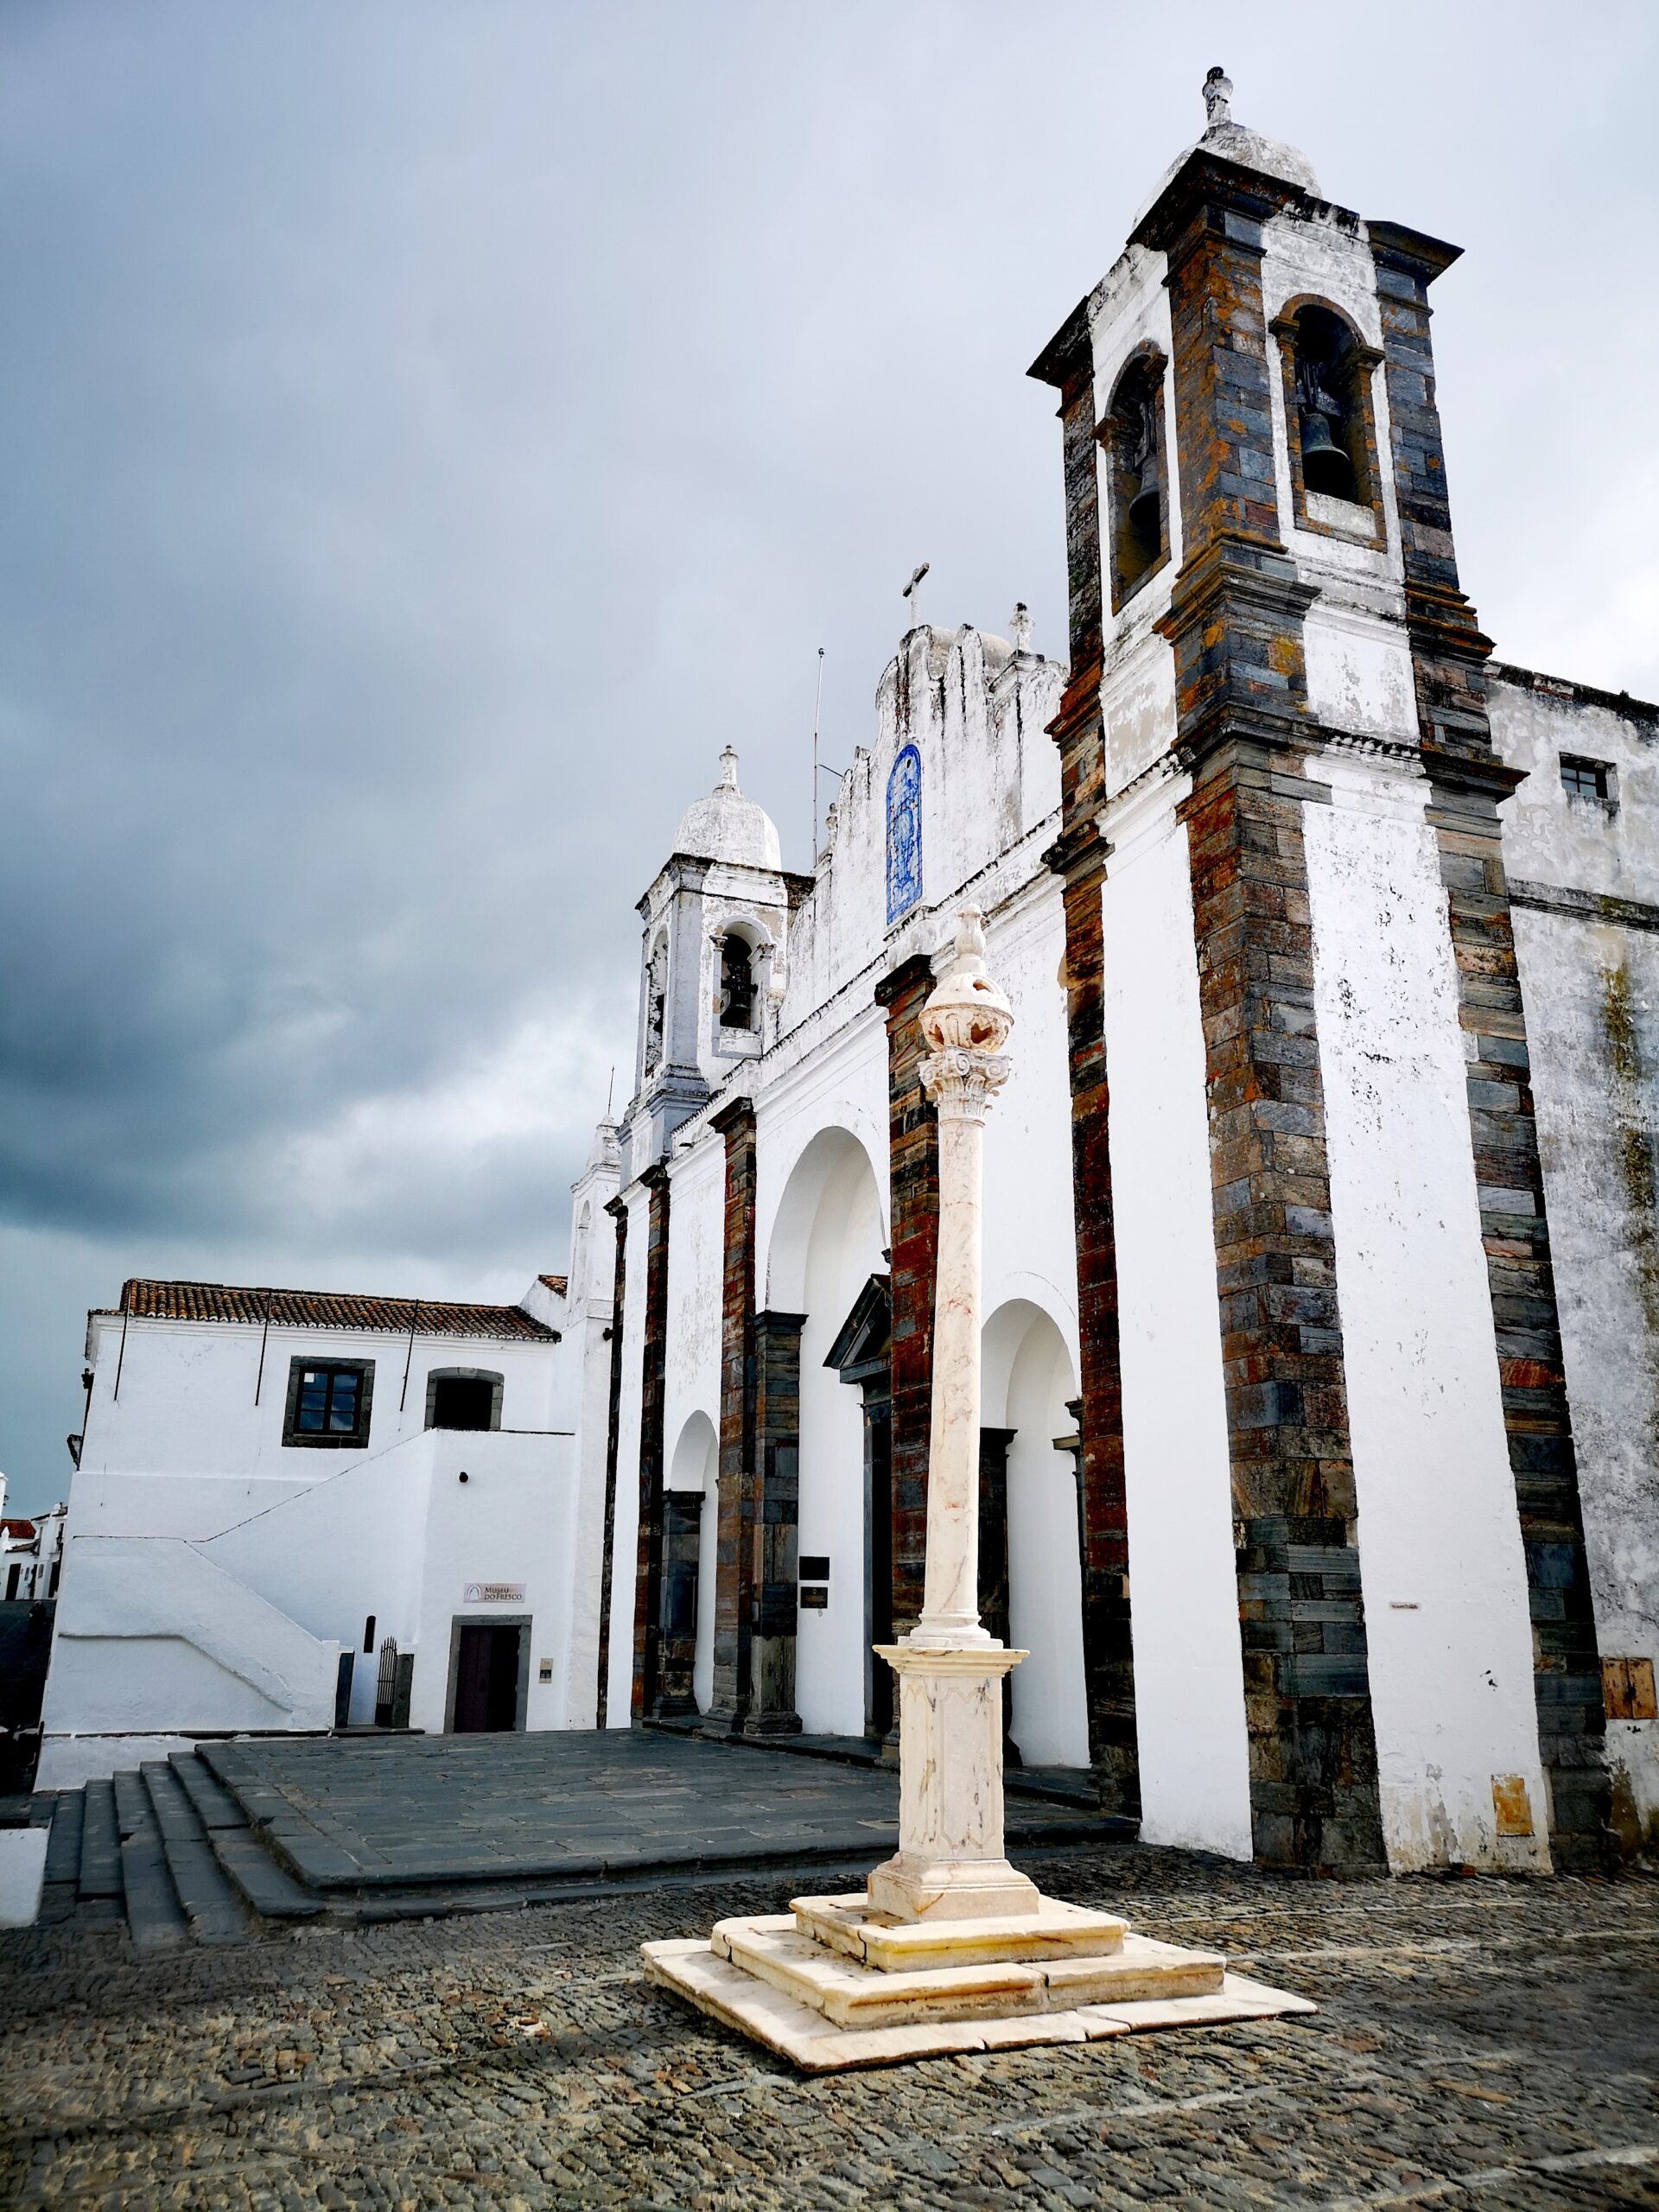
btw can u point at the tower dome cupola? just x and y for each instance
(726, 826)
(1233, 142)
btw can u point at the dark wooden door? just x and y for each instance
(486, 1679)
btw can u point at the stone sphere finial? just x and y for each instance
(966, 1011)
(1217, 98)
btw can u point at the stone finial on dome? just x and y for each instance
(1019, 626)
(1217, 98)
(727, 769)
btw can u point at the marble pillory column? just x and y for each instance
(949, 1864)
(948, 1947)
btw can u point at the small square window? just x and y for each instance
(1594, 780)
(328, 1402)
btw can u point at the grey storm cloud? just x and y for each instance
(433, 431)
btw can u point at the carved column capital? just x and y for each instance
(962, 1084)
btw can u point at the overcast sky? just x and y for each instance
(434, 430)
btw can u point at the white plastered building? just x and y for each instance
(297, 1511)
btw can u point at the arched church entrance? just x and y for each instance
(860, 1355)
(690, 1532)
(826, 1245)
(1028, 1469)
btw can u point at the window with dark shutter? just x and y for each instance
(328, 1403)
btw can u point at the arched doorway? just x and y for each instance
(690, 1530)
(1029, 1379)
(827, 1242)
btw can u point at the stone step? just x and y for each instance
(1052, 1931)
(212, 1906)
(60, 1883)
(215, 1806)
(852, 1994)
(271, 1889)
(797, 2031)
(155, 1919)
(99, 1874)
(63, 1845)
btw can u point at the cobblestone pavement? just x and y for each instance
(1481, 2043)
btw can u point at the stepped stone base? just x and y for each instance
(832, 1984)
(1052, 1931)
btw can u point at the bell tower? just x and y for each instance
(717, 919)
(1285, 895)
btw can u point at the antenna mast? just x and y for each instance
(818, 710)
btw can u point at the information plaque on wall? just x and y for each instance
(495, 1594)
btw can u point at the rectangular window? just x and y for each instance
(328, 1402)
(1588, 779)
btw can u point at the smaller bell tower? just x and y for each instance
(715, 924)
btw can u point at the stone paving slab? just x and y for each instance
(421, 1812)
(1479, 2044)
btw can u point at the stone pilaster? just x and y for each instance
(773, 1532)
(648, 1587)
(1078, 859)
(1448, 664)
(1104, 1521)
(1313, 1752)
(741, 1484)
(913, 1171)
(1242, 725)
(617, 1209)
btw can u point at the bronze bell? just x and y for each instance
(1326, 467)
(1144, 508)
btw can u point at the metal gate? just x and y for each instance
(385, 1688)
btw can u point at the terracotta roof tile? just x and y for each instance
(17, 1528)
(326, 1309)
(557, 1284)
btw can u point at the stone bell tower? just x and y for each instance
(716, 924)
(1305, 1165)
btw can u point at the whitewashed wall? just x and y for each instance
(1441, 1564)
(1189, 1669)
(588, 1320)
(626, 1524)
(1591, 984)
(185, 1426)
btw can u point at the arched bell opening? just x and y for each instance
(656, 1006)
(1329, 426)
(738, 955)
(1137, 472)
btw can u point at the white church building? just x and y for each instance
(1321, 1357)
